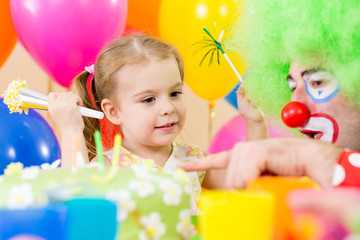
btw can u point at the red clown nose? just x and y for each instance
(295, 114)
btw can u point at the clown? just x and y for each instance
(304, 58)
(307, 51)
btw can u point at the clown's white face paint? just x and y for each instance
(332, 118)
(321, 86)
(322, 127)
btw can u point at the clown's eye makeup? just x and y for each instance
(319, 79)
(321, 86)
(292, 84)
(317, 83)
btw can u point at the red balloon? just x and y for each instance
(295, 114)
(7, 32)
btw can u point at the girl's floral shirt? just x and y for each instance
(180, 154)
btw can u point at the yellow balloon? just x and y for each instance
(181, 22)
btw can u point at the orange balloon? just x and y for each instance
(7, 32)
(143, 15)
(128, 31)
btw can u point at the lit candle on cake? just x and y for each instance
(99, 149)
(75, 152)
(116, 153)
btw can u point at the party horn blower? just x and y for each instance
(78, 158)
(19, 98)
(236, 215)
(216, 46)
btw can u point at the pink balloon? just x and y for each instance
(64, 36)
(235, 131)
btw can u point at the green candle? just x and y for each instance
(99, 150)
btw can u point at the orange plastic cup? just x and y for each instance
(280, 188)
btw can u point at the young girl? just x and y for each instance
(138, 83)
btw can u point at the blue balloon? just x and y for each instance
(231, 97)
(26, 138)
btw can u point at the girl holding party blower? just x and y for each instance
(137, 81)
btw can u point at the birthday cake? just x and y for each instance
(150, 204)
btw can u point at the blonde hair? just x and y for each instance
(126, 51)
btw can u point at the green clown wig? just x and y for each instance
(316, 33)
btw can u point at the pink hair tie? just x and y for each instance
(90, 69)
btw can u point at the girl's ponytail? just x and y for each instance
(83, 84)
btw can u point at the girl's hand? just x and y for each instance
(64, 111)
(68, 120)
(246, 108)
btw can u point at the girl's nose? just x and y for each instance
(167, 108)
(295, 114)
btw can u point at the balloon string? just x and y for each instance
(211, 119)
(48, 117)
(49, 85)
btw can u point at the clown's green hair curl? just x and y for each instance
(315, 33)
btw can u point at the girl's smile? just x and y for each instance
(167, 127)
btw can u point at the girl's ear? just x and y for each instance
(111, 112)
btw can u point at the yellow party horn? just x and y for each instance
(19, 98)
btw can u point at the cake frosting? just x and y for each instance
(150, 204)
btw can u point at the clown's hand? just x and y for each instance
(279, 156)
(256, 126)
(246, 108)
